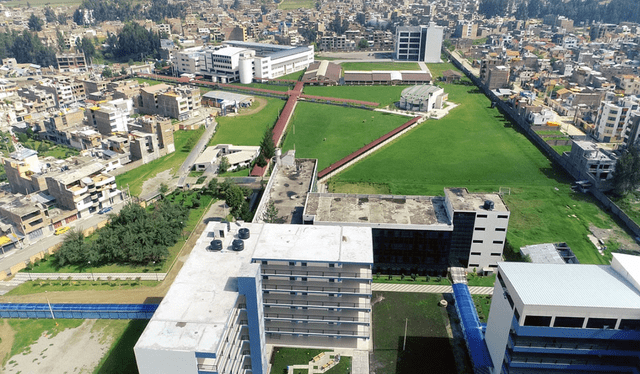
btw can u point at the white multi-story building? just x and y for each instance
(248, 285)
(613, 118)
(112, 117)
(189, 60)
(557, 318)
(419, 43)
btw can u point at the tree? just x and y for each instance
(163, 188)
(86, 46)
(49, 14)
(62, 43)
(267, 147)
(626, 175)
(107, 73)
(35, 23)
(123, 71)
(224, 165)
(363, 43)
(234, 198)
(271, 213)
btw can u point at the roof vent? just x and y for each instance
(216, 245)
(488, 205)
(237, 245)
(243, 233)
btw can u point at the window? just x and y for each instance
(479, 229)
(517, 314)
(292, 263)
(498, 242)
(575, 322)
(503, 216)
(493, 266)
(474, 265)
(601, 323)
(304, 264)
(544, 321)
(481, 216)
(496, 254)
(476, 254)
(629, 324)
(501, 229)
(477, 241)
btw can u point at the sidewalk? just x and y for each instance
(426, 288)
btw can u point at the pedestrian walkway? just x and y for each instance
(426, 288)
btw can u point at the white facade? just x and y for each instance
(419, 43)
(190, 60)
(613, 118)
(286, 283)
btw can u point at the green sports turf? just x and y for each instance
(329, 132)
(247, 129)
(384, 95)
(369, 66)
(476, 147)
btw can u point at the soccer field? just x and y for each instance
(329, 132)
(477, 147)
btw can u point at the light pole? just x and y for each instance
(89, 262)
(50, 309)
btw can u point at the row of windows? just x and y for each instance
(480, 254)
(478, 241)
(497, 229)
(578, 322)
(500, 216)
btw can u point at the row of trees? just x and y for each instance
(26, 47)
(133, 42)
(134, 236)
(614, 11)
(96, 11)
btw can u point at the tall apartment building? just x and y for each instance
(556, 318)
(71, 62)
(189, 60)
(23, 171)
(66, 90)
(466, 30)
(497, 77)
(57, 126)
(35, 95)
(612, 119)
(419, 43)
(180, 102)
(421, 234)
(111, 117)
(160, 126)
(246, 285)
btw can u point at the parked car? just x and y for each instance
(62, 230)
(105, 210)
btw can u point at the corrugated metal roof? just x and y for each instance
(589, 286)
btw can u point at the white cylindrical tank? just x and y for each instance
(246, 71)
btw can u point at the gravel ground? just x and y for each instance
(76, 350)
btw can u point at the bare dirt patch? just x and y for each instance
(76, 350)
(151, 185)
(258, 105)
(6, 340)
(616, 235)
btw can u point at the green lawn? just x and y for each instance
(478, 148)
(483, 304)
(41, 286)
(184, 141)
(237, 173)
(476, 280)
(295, 4)
(562, 149)
(152, 82)
(284, 357)
(247, 129)
(54, 150)
(428, 349)
(343, 367)
(329, 133)
(293, 76)
(384, 95)
(368, 66)
(267, 86)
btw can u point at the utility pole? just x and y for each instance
(406, 321)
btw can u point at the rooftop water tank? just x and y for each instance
(488, 205)
(237, 245)
(216, 245)
(243, 233)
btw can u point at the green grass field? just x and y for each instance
(477, 147)
(247, 129)
(152, 82)
(295, 4)
(384, 95)
(368, 66)
(267, 86)
(329, 133)
(120, 357)
(55, 150)
(483, 304)
(291, 356)
(32, 287)
(294, 76)
(428, 349)
(184, 141)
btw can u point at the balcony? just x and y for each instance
(349, 287)
(316, 316)
(346, 272)
(317, 302)
(349, 331)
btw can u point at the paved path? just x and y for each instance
(426, 288)
(210, 127)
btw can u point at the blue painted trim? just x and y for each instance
(206, 355)
(79, 311)
(248, 287)
(563, 332)
(566, 367)
(578, 352)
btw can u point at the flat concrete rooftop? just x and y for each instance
(290, 187)
(383, 211)
(462, 199)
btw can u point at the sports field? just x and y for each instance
(329, 132)
(428, 347)
(248, 129)
(295, 4)
(476, 147)
(368, 66)
(384, 95)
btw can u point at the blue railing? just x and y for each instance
(79, 311)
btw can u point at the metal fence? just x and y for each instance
(78, 311)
